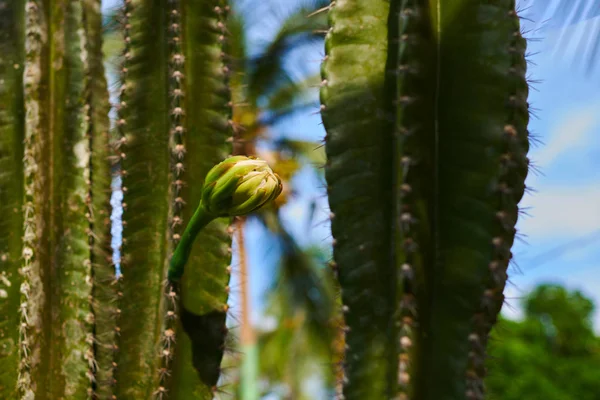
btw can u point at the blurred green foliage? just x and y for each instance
(552, 354)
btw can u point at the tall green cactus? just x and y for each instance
(174, 125)
(53, 100)
(425, 107)
(69, 327)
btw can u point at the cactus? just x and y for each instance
(53, 187)
(425, 171)
(173, 124)
(71, 325)
(66, 315)
(425, 108)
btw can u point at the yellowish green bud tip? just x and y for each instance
(239, 185)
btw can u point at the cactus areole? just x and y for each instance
(236, 186)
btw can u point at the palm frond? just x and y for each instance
(266, 71)
(578, 26)
(301, 286)
(313, 152)
(290, 97)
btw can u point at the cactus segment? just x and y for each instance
(12, 37)
(480, 164)
(103, 271)
(144, 124)
(359, 176)
(177, 113)
(50, 132)
(32, 336)
(70, 284)
(441, 102)
(204, 286)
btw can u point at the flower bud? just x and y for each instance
(239, 185)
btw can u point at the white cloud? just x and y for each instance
(571, 133)
(562, 211)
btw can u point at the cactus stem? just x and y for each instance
(112, 340)
(88, 129)
(176, 91)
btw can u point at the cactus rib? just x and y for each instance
(31, 340)
(177, 111)
(204, 286)
(145, 124)
(103, 272)
(12, 37)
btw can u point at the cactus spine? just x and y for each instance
(422, 266)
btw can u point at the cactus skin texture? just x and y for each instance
(145, 169)
(104, 289)
(428, 99)
(12, 36)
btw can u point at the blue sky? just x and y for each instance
(565, 207)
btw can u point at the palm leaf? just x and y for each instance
(566, 16)
(266, 71)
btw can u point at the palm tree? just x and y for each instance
(264, 92)
(564, 13)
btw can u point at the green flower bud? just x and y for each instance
(239, 185)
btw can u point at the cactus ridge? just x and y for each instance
(443, 96)
(112, 342)
(12, 36)
(407, 72)
(514, 166)
(72, 276)
(145, 123)
(90, 205)
(353, 72)
(204, 286)
(177, 111)
(30, 327)
(104, 294)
